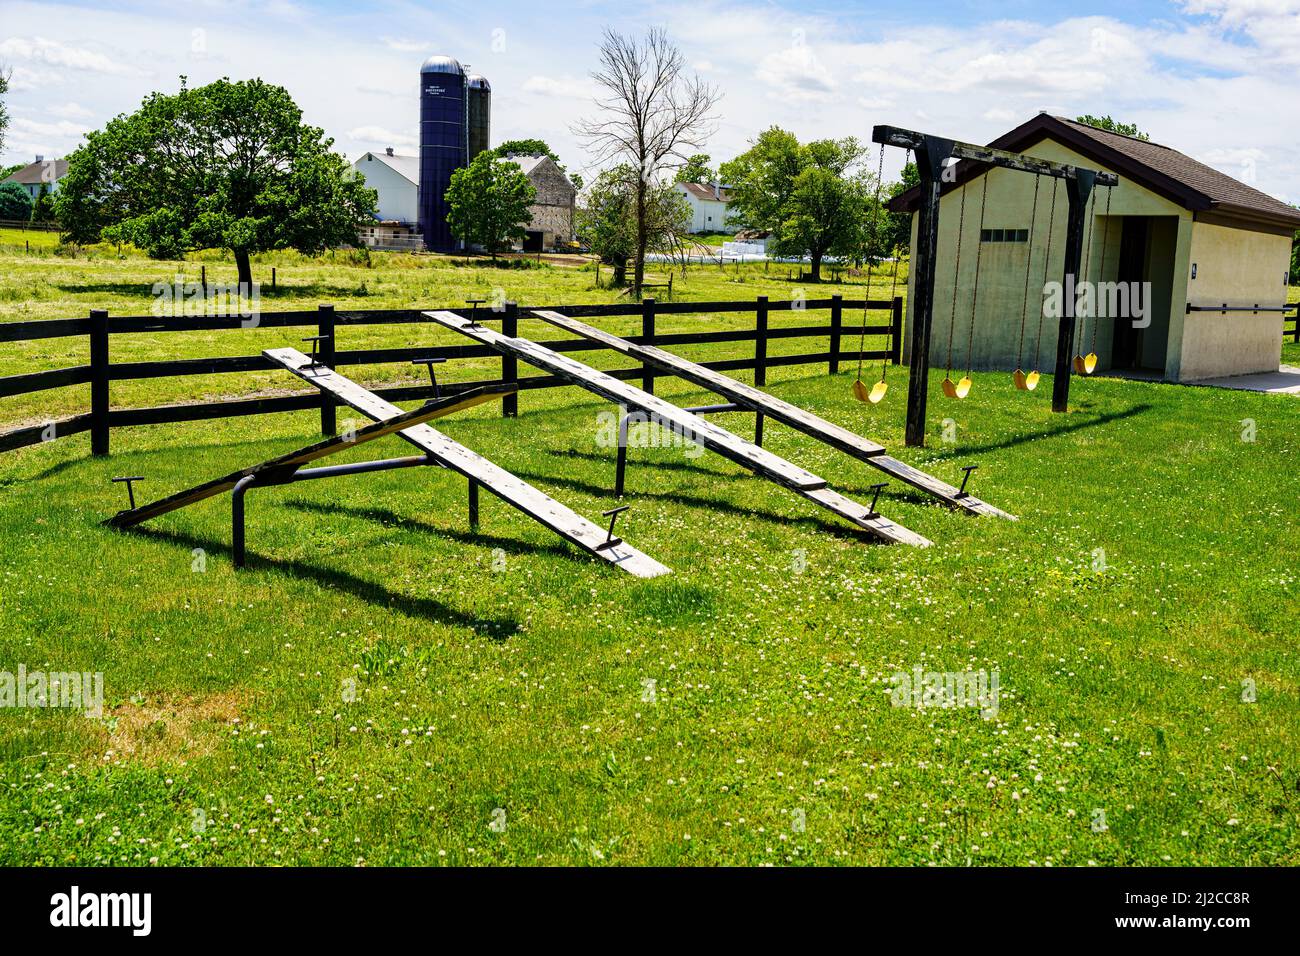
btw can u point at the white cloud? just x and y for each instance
(71, 111)
(404, 45)
(378, 135)
(54, 53)
(796, 74)
(566, 86)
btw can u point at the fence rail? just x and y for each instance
(100, 328)
(1291, 313)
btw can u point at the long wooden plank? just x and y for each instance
(321, 449)
(709, 435)
(509, 488)
(665, 413)
(798, 418)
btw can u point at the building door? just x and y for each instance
(532, 241)
(1127, 349)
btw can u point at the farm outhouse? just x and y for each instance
(1205, 255)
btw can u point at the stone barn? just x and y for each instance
(1210, 254)
(552, 211)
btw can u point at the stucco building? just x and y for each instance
(1197, 237)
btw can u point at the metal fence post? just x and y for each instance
(837, 323)
(328, 423)
(647, 336)
(510, 364)
(99, 381)
(760, 342)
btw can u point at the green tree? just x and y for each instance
(4, 110)
(1112, 125)
(43, 207)
(228, 165)
(489, 202)
(898, 233)
(7, 171)
(535, 147)
(607, 219)
(15, 204)
(813, 198)
(525, 147)
(696, 170)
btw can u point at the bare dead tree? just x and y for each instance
(652, 116)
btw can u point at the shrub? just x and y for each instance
(14, 202)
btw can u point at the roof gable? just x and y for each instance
(1161, 169)
(33, 174)
(408, 167)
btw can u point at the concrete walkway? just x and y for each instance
(1285, 381)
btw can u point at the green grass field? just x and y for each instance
(384, 686)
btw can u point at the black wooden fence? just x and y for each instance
(1292, 315)
(326, 321)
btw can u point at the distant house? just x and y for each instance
(397, 180)
(710, 206)
(43, 172)
(552, 210)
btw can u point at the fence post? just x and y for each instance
(325, 355)
(760, 342)
(99, 381)
(647, 336)
(837, 323)
(896, 332)
(510, 364)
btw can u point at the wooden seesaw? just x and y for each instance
(758, 460)
(438, 451)
(747, 397)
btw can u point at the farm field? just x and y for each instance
(383, 686)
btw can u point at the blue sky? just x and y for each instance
(1214, 78)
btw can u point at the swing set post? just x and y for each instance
(931, 152)
(1077, 189)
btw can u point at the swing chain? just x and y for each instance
(875, 235)
(1029, 257)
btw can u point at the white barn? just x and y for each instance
(710, 207)
(397, 180)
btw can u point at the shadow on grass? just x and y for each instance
(496, 628)
(846, 530)
(392, 518)
(906, 494)
(1073, 426)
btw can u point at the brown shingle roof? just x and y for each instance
(1174, 175)
(701, 191)
(33, 174)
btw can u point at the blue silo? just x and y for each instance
(444, 144)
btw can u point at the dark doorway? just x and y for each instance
(532, 242)
(1126, 352)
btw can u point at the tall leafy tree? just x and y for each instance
(4, 110)
(813, 198)
(1112, 125)
(228, 165)
(696, 170)
(489, 202)
(43, 206)
(607, 219)
(535, 147)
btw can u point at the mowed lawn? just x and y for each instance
(384, 686)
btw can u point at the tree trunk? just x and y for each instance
(245, 270)
(620, 273)
(816, 274)
(638, 274)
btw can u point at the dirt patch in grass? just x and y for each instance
(168, 728)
